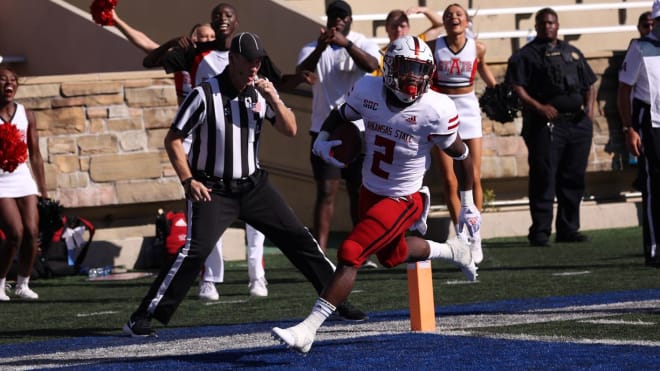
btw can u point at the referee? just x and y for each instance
(223, 182)
(638, 102)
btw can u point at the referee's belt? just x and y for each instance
(221, 185)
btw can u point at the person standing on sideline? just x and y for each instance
(339, 58)
(397, 25)
(19, 215)
(403, 122)
(644, 27)
(222, 14)
(638, 98)
(645, 24)
(457, 58)
(223, 185)
(555, 85)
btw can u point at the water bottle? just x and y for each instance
(632, 160)
(99, 271)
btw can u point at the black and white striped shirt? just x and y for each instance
(224, 127)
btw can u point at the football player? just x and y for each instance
(403, 122)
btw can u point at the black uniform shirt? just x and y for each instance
(558, 75)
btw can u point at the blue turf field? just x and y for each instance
(382, 343)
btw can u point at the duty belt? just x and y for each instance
(571, 116)
(221, 185)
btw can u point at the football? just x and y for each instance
(351, 142)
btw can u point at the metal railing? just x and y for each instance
(529, 10)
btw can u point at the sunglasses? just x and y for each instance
(646, 25)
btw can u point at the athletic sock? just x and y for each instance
(440, 251)
(320, 312)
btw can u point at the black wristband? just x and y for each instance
(627, 128)
(186, 182)
(349, 45)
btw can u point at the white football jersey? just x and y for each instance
(399, 141)
(208, 64)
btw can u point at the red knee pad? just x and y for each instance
(349, 253)
(392, 257)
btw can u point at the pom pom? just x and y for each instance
(102, 12)
(13, 149)
(500, 103)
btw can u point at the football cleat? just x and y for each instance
(347, 312)
(299, 337)
(138, 326)
(462, 257)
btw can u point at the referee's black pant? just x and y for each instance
(258, 204)
(649, 174)
(558, 154)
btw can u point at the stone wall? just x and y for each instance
(102, 140)
(102, 136)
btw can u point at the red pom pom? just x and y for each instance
(102, 11)
(13, 149)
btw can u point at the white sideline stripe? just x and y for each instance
(238, 301)
(460, 282)
(106, 312)
(571, 273)
(617, 322)
(455, 325)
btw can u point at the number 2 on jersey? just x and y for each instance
(387, 156)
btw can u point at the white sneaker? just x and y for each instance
(463, 258)
(207, 291)
(24, 292)
(3, 293)
(258, 287)
(298, 337)
(476, 250)
(369, 264)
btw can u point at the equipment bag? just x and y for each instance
(64, 243)
(171, 230)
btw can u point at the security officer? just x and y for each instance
(555, 84)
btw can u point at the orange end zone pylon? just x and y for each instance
(420, 296)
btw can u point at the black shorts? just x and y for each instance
(324, 171)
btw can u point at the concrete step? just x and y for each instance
(131, 246)
(511, 221)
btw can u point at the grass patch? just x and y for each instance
(612, 261)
